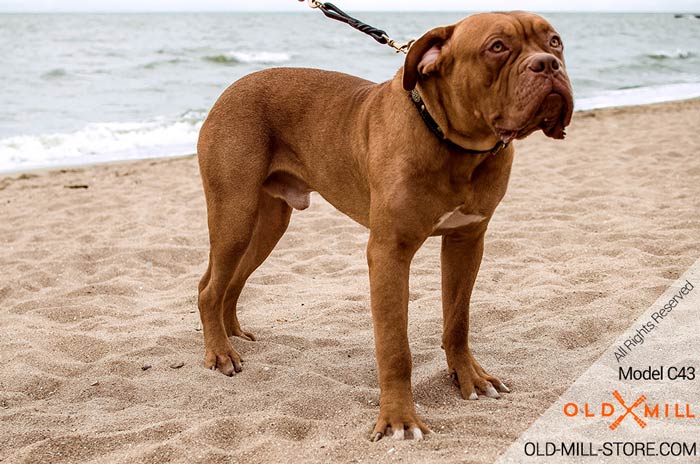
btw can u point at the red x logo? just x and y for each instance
(628, 410)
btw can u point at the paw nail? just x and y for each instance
(473, 396)
(491, 392)
(503, 388)
(398, 435)
(417, 434)
(377, 437)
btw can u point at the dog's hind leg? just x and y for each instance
(233, 171)
(234, 227)
(272, 221)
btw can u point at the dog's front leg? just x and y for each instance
(389, 261)
(460, 260)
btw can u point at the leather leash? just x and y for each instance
(333, 12)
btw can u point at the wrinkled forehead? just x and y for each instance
(482, 26)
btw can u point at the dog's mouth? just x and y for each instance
(551, 114)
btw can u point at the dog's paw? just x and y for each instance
(399, 424)
(242, 334)
(233, 329)
(473, 380)
(225, 360)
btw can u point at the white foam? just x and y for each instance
(260, 57)
(639, 96)
(679, 53)
(161, 137)
(101, 142)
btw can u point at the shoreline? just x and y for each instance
(85, 164)
(66, 167)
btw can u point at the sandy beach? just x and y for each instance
(100, 267)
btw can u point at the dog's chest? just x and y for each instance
(456, 219)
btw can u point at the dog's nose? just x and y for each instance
(544, 63)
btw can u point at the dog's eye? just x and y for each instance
(497, 47)
(555, 42)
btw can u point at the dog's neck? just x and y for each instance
(467, 130)
(434, 127)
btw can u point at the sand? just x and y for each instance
(100, 282)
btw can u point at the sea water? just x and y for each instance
(83, 88)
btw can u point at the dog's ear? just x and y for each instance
(424, 55)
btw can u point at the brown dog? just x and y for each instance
(275, 136)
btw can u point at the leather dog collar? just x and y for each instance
(435, 129)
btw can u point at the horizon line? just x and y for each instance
(309, 11)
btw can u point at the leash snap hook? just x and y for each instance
(399, 48)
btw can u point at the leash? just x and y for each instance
(333, 12)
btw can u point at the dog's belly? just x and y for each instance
(296, 192)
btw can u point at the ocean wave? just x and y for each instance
(159, 63)
(162, 137)
(678, 54)
(100, 142)
(55, 74)
(639, 96)
(249, 58)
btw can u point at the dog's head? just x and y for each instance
(501, 73)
